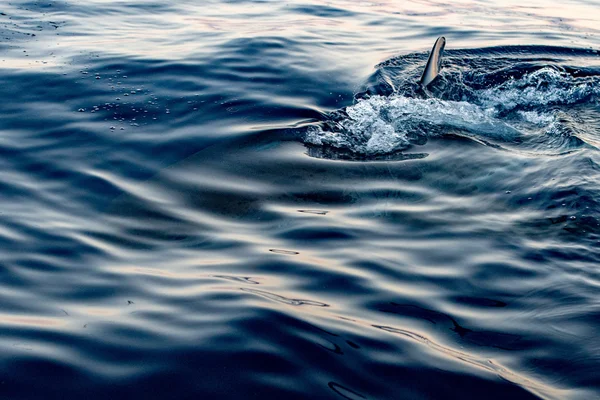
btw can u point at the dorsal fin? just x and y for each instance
(432, 69)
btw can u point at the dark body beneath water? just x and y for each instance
(251, 199)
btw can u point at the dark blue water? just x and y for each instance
(253, 199)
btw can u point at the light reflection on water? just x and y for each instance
(166, 232)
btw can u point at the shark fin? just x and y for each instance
(434, 64)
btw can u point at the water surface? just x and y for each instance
(253, 199)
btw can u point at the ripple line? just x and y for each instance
(285, 300)
(345, 392)
(535, 387)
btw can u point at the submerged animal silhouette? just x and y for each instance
(434, 63)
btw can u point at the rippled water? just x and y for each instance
(253, 199)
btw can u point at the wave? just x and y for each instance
(512, 100)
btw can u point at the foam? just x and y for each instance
(385, 124)
(382, 124)
(546, 86)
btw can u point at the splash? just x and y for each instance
(544, 87)
(380, 124)
(505, 104)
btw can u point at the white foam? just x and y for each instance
(385, 124)
(381, 124)
(537, 118)
(540, 88)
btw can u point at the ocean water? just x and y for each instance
(253, 199)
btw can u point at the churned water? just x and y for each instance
(253, 199)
